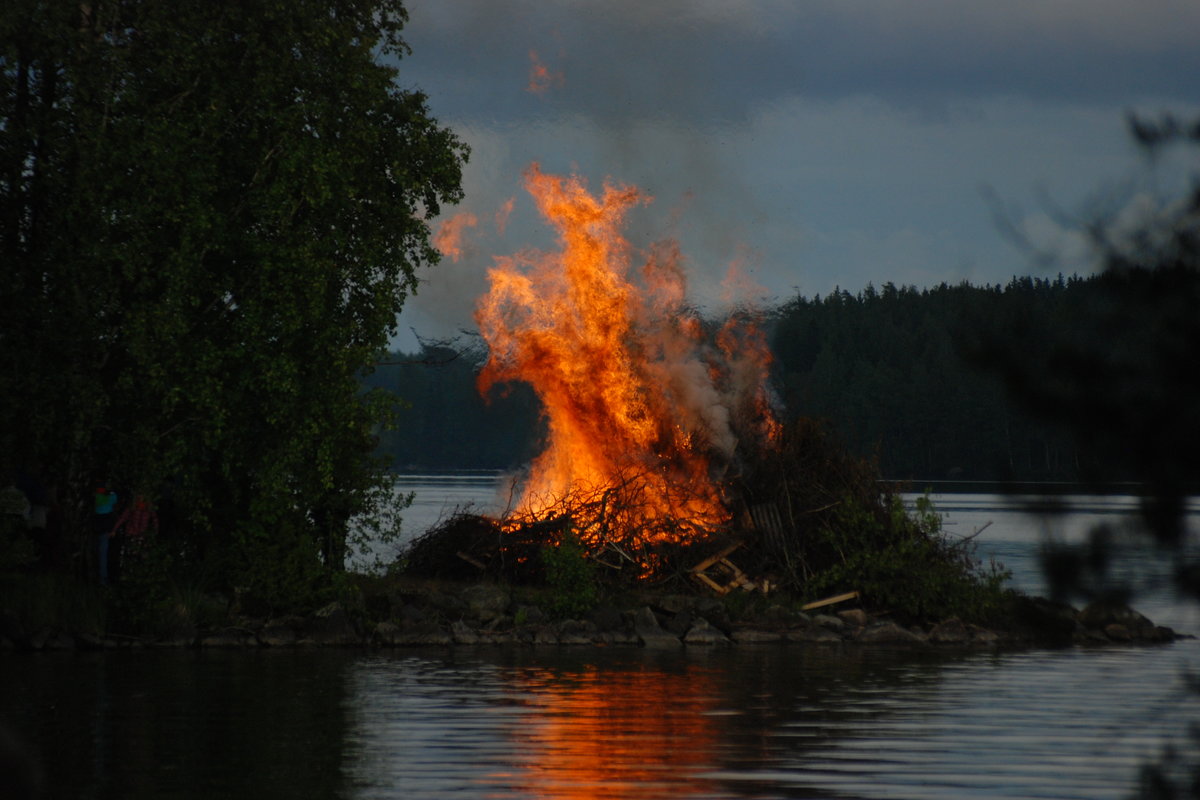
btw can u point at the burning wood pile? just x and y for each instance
(664, 458)
(784, 512)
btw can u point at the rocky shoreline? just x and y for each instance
(490, 614)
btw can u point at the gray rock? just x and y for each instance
(715, 612)
(277, 634)
(386, 633)
(951, 631)
(1046, 619)
(229, 637)
(59, 641)
(1103, 613)
(426, 633)
(174, 642)
(680, 624)
(1160, 633)
(617, 637)
(529, 615)
(832, 623)
(814, 634)
(888, 633)
(1117, 632)
(462, 633)
(606, 618)
(90, 641)
(983, 636)
(752, 636)
(413, 614)
(650, 633)
(576, 631)
(854, 617)
(701, 633)
(331, 626)
(674, 603)
(486, 601)
(545, 634)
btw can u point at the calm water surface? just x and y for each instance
(748, 722)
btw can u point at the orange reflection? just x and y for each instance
(619, 734)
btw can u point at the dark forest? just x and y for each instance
(912, 377)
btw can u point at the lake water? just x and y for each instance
(551, 722)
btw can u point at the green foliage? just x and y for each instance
(210, 216)
(52, 600)
(143, 596)
(841, 529)
(16, 547)
(570, 577)
(903, 563)
(897, 372)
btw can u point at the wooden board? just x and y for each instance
(828, 601)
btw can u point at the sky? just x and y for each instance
(817, 144)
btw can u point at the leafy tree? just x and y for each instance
(1122, 380)
(210, 215)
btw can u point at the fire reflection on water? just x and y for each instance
(625, 734)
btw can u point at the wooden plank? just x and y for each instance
(708, 562)
(716, 587)
(828, 601)
(476, 562)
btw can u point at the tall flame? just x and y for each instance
(449, 237)
(638, 406)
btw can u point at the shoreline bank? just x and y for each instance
(484, 614)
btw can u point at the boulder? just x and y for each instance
(951, 631)
(753, 636)
(814, 634)
(331, 626)
(606, 618)
(701, 632)
(673, 603)
(832, 623)
(576, 631)
(1046, 619)
(424, 633)
(888, 633)
(228, 637)
(680, 624)
(649, 632)
(1117, 632)
(486, 601)
(386, 633)
(617, 637)
(462, 633)
(1104, 613)
(983, 636)
(529, 615)
(854, 617)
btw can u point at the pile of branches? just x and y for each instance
(626, 549)
(804, 516)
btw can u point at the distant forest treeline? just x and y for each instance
(902, 374)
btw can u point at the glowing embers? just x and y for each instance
(642, 412)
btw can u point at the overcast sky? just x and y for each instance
(820, 143)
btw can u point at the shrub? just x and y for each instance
(570, 577)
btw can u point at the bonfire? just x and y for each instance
(663, 457)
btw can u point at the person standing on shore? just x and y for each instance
(104, 505)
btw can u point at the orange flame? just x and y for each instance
(540, 76)
(637, 404)
(449, 237)
(502, 215)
